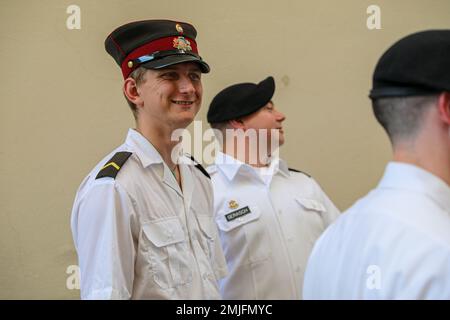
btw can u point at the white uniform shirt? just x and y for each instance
(392, 244)
(267, 227)
(139, 236)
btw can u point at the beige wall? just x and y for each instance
(62, 109)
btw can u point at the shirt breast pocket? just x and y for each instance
(206, 233)
(244, 235)
(311, 214)
(166, 246)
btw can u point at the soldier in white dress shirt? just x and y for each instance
(142, 220)
(268, 215)
(394, 243)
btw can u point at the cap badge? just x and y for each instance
(233, 204)
(179, 28)
(182, 44)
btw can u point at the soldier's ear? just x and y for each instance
(444, 107)
(236, 124)
(130, 90)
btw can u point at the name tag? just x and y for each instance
(237, 214)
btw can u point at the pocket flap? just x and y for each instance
(164, 232)
(311, 204)
(206, 224)
(231, 219)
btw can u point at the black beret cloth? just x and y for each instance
(153, 44)
(418, 64)
(240, 100)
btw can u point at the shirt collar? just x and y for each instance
(283, 167)
(410, 177)
(147, 153)
(143, 149)
(228, 165)
(231, 166)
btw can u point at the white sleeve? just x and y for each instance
(103, 238)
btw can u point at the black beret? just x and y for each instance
(153, 44)
(418, 64)
(240, 100)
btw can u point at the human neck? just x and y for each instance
(160, 138)
(432, 157)
(246, 156)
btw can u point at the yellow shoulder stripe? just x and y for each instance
(111, 164)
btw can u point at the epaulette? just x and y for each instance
(112, 167)
(295, 170)
(199, 167)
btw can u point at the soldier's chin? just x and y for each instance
(186, 119)
(281, 139)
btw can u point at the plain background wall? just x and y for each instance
(62, 108)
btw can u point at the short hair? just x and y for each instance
(402, 117)
(219, 129)
(138, 76)
(221, 126)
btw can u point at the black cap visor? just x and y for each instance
(176, 58)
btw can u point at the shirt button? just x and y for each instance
(280, 212)
(169, 234)
(297, 269)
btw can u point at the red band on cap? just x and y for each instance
(163, 44)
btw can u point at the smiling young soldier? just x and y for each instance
(268, 215)
(142, 221)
